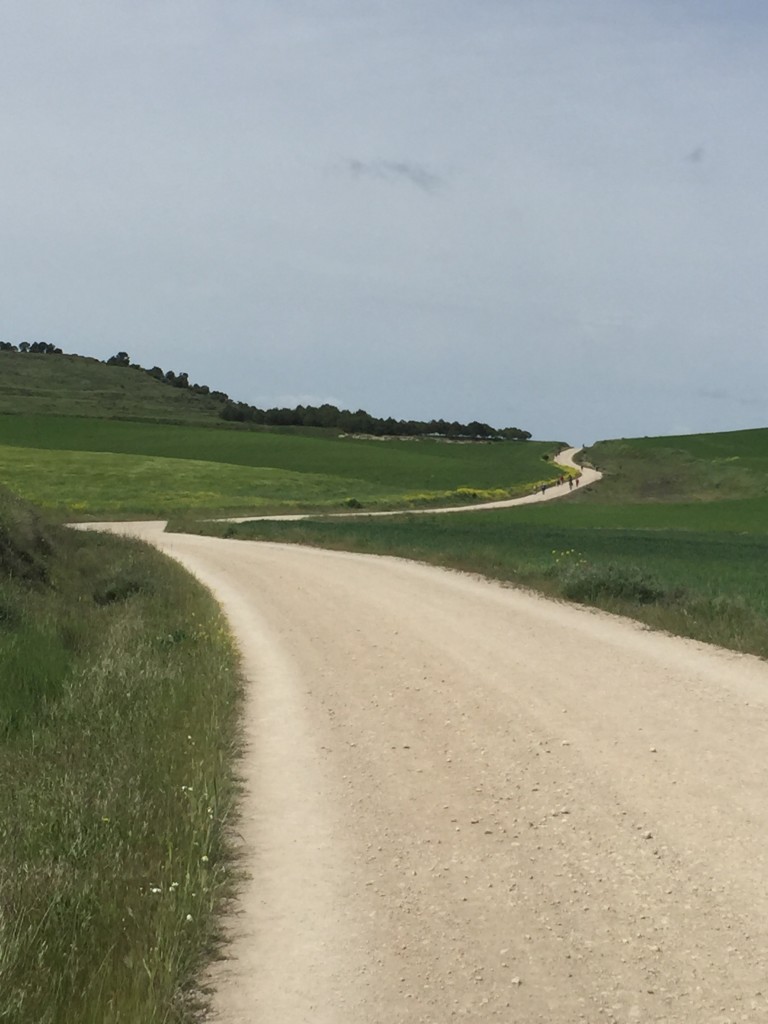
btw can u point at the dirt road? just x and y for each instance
(468, 803)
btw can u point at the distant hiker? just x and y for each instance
(570, 483)
(543, 488)
(578, 478)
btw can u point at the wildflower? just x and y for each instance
(189, 917)
(154, 889)
(204, 859)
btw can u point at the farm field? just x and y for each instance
(738, 515)
(92, 467)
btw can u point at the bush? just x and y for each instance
(588, 584)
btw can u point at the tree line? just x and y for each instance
(38, 347)
(326, 415)
(329, 416)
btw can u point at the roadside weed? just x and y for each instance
(116, 752)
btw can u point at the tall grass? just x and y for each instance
(117, 736)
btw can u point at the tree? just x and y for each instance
(515, 434)
(121, 359)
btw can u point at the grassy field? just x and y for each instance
(645, 542)
(739, 515)
(118, 730)
(78, 386)
(91, 467)
(694, 468)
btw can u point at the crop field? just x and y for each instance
(692, 566)
(90, 467)
(120, 486)
(739, 515)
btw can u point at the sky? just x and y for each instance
(549, 214)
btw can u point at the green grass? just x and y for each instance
(694, 468)
(91, 467)
(117, 735)
(125, 486)
(79, 386)
(740, 515)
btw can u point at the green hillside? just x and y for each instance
(40, 378)
(78, 386)
(92, 440)
(687, 468)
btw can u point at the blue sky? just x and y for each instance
(546, 214)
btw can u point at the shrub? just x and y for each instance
(588, 584)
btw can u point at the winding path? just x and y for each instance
(566, 458)
(464, 802)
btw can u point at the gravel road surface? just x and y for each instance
(465, 802)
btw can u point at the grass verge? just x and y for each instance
(710, 587)
(118, 700)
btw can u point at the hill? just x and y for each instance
(40, 378)
(687, 468)
(96, 440)
(69, 385)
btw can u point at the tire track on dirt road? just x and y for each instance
(466, 802)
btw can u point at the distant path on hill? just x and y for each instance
(565, 458)
(466, 802)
